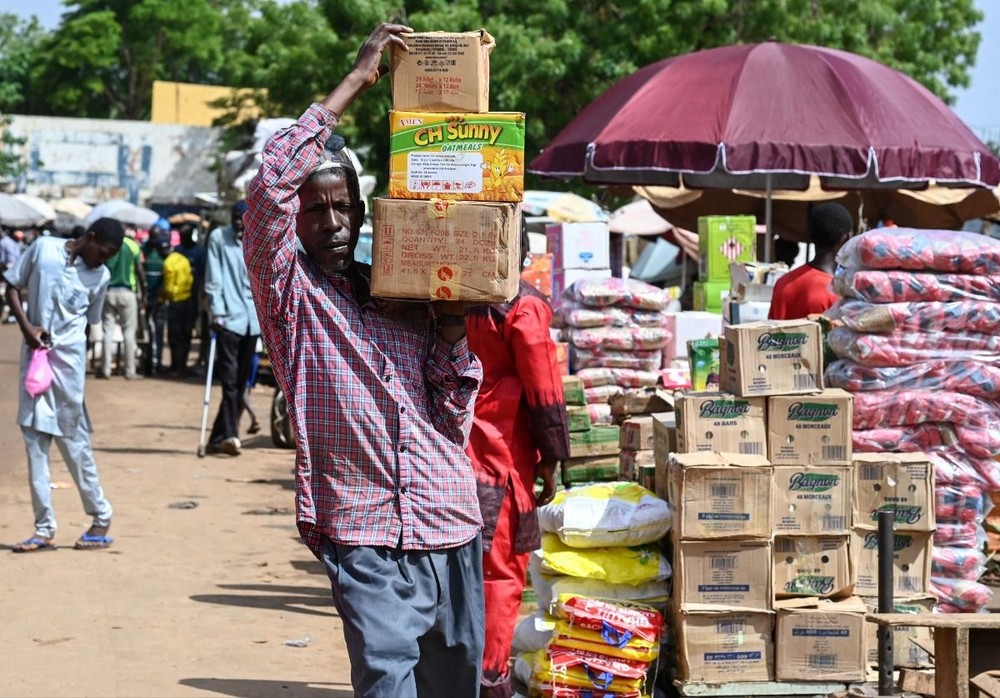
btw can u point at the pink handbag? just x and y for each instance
(39, 376)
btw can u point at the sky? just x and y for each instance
(978, 105)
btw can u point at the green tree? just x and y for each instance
(19, 44)
(12, 165)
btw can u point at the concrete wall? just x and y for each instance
(97, 159)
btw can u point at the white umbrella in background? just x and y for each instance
(124, 212)
(562, 206)
(39, 204)
(15, 213)
(72, 207)
(638, 218)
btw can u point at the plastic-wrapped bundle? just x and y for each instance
(970, 442)
(602, 393)
(573, 314)
(970, 534)
(960, 503)
(600, 413)
(895, 408)
(908, 286)
(955, 316)
(958, 563)
(903, 349)
(606, 514)
(569, 668)
(625, 377)
(959, 595)
(616, 565)
(618, 338)
(937, 250)
(627, 293)
(951, 468)
(601, 358)
(977, 378)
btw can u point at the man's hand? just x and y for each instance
(36, 337)
(368, 65)
(218, 323)
(547, 472)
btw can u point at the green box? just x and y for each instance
(576, 471)
(708, 295)
(573, 391)
(601, 440)
(723, 240)
(578, 418)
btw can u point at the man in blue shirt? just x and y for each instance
(234, 320)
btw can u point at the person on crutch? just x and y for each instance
(234, 322)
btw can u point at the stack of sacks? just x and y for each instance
(918, 346)
(599, 648)
(616, 331)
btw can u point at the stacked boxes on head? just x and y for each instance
(450, 229)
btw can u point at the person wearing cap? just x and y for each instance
(126, 288)
(380, 396)
(235, 324)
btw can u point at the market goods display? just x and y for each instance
(919, 348)
(624, 377)
(606, 513)
(573, 314)
(624, 293)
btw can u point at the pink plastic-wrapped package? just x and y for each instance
(600, 413)
(618, 338)
(602, 393)
(908, 286)
(918, 250)
(960, 503)
(955, 316)
(968, 442)
(960, 535)
(958, 563)
(625, 377)
(895, 408)
(976, 378)
(627, 293)
(600, 358)
(959, 595)
(573, 314)
(906, 348)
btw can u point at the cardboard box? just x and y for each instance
(911, 563)
(562, 279)
(645, 475)
(725, 646)
(723, 575)
(579, 245)
(465, 157)
(573, 391)
(738, 312)
(562, 357)
(442, 72)
(772, 358)
(446, 250)
(723, 240)
(904, 652)
(664, 436)
(709, 296)
(812, 566)
(688, 325)
(578, 418)
(599, 440)
(703, 360)
(642, 401)
(812, 501)
(637, 433)
(824, 641)
(576, 471)
(538, 273)
(712, 421)
(811, 429)
(630, 462)
(899, 482)
(720, 496)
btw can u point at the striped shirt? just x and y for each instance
(381, 407)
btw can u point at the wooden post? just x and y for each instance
(951, 662)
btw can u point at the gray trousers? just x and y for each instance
(79, 456)
(120, 304)
(414, 621)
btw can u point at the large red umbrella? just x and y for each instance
(762, 116)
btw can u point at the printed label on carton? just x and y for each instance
(812, 501)
(811, 430)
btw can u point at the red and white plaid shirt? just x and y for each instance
(381, 407)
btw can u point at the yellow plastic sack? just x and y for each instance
(606, 514)
(621, 565)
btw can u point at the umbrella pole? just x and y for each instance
(769, 238)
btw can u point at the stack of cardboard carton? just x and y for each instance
(593, 448)
(579, 250)
(451, 227)
(722, 240)
(634, 411)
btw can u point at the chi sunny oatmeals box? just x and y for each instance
(442, 72)
(446, 250)
(811, 429)
(469, 157)
(771, 358)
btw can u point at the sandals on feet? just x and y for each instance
(94, 539)
(34, 545)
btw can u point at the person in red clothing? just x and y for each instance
(806, 291)
(519, 433)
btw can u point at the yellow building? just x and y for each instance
(191, 105)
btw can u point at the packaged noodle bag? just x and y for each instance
(588, 670)
(617, 622)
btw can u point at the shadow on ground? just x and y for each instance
(263, 688)
(305, 600)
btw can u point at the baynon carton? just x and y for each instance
(467, 157)
(822, 641)
(446, 250)
(771, 358)
(811, 429)
(641, 401)
(664, 436)
(716, 495)
(904, 653)
(442, 72)
(721, 422)
(902, 483)
(911, 563)
(812, 501)
(725, 646)
(733, 575)
(812, 566)
(637, 433)
(631, 462)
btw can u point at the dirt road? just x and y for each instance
(188, 601)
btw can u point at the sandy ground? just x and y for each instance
(187, 602)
